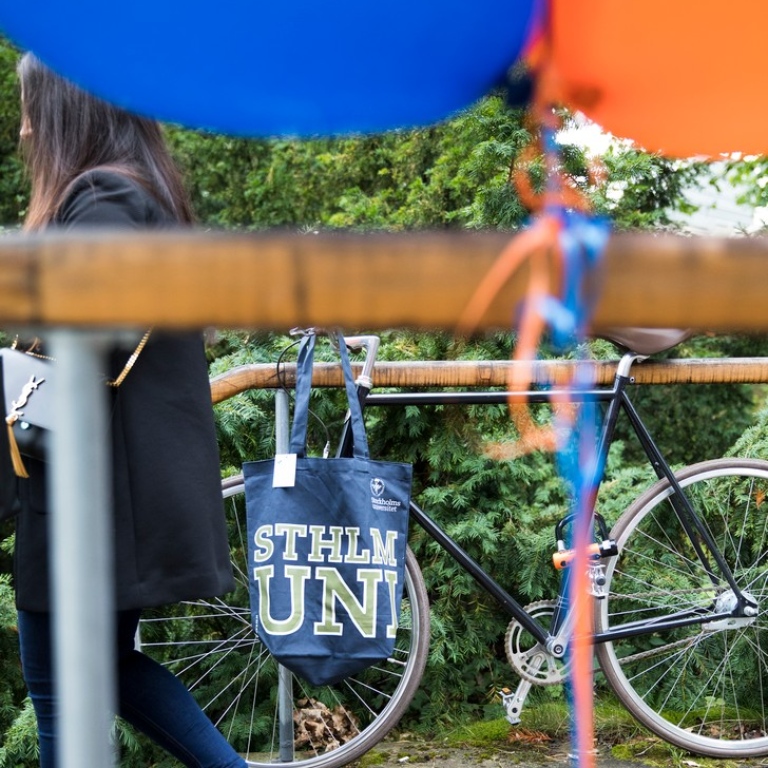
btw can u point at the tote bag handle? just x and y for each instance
(303, 387)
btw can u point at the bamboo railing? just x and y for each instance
(472, 373)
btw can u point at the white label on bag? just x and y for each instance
(284, 475)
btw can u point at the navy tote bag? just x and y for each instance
(327, 543)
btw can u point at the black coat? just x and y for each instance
(170, 532)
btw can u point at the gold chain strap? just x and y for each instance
(116, 382)
(130, 362)
(31, 350)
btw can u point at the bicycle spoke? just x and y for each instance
(699, 686)
(211, 646)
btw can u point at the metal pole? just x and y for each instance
(81, 552)
(285, 676)
(282, 422)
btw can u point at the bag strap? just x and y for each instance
(120, 378)
(360, 442)
(117, 381)
(303, 387)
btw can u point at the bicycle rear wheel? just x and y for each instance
(211, 646)
(701, 687)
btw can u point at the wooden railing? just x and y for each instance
(277, 280)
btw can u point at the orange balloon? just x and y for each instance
(680, 77)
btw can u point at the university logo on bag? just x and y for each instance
(378, 502)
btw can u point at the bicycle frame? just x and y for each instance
(616, 401)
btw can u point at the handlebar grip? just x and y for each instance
(371, 346)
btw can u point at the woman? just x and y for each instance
(92, 164)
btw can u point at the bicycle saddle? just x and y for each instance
(645, 341)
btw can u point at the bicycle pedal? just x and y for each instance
(513, 701)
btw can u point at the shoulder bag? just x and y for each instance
(327, 544)
(27, 382)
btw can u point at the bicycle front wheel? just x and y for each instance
(701, 687)
(267, 714)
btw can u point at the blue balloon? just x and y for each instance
(285, 67)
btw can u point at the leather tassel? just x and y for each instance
(16, 460)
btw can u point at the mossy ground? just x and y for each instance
(543, 739)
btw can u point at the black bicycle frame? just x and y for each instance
(617, 401)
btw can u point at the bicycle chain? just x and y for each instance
(645, 595)
(656, 651)
(557, 672)
(661, 649)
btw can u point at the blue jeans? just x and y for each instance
(149, 697)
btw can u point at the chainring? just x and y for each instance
(527, 656)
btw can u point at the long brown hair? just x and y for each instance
(71, 132)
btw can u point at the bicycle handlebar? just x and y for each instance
(371, 346)
(354, 344)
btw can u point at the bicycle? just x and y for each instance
(678, 585)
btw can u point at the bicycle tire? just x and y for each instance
(211, 646)
(701, 687)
